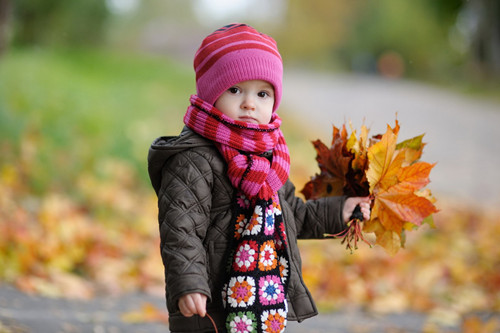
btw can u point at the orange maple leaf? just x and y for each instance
(395, 208)
(415, 176)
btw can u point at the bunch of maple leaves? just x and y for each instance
(388, 171)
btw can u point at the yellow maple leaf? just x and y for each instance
(383, 166)
(359, 148)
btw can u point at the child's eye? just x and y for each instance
(263, 94)
(233, 90)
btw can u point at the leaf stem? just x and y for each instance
(352, 235)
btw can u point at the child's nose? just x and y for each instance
(248, 103)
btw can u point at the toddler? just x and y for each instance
(228, 215)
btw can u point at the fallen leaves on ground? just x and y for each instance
(148, 313)
(105, 240)
(474, 324)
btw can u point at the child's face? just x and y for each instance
(249, 101)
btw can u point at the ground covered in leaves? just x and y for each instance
(106, 241)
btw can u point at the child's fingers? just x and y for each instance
(187, 305)
(364, 204)
(352, 202)
(200, 302)
(365, 210)
(193, 304)
(184, 307)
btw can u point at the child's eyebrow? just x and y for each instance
(266, 86)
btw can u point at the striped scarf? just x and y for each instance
(241, 144)
(257, 278)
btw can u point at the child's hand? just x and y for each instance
(192, 304)
(351, 203)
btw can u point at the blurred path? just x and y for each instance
(462, 133)
(36, 314)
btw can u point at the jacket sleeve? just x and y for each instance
(315, 218)
(184, 203)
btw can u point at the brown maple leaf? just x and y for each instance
(333, 163)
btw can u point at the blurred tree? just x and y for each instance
(446, 10)
(410, 29)
(5, 8)
(480, 25)
(484, 35)
(314, 30)
(357, 35)
(45, 22)
(412, 38)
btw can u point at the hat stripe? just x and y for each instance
(224, 39)
(238, 31)
(215, 56)
(220, 45)
(223, 43)
(229, 27)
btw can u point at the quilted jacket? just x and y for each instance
(195, 200)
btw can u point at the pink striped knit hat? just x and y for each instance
(235, 53)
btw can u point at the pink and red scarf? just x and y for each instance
(241, 144)
(257, 278)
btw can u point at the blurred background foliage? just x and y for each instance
(436, 40)
(85, 86)
(49, 22)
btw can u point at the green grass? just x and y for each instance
(64, 110)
